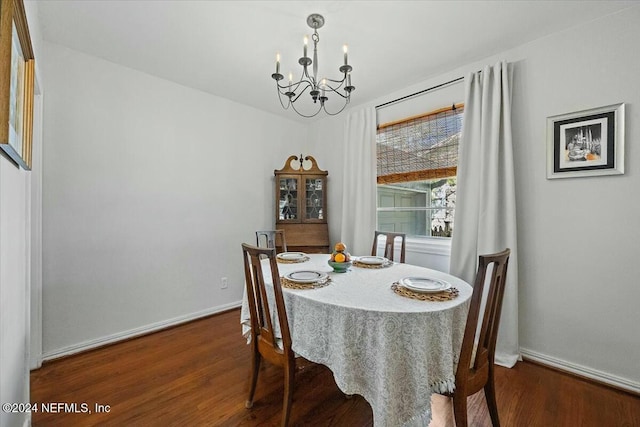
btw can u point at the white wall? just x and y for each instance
(149, 189)
(14, 287)
(577, 238)
(18, 199)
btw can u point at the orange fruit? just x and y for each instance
(340, 257)
(340, 247)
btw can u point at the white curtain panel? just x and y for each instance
(359, 181)
(485, 216)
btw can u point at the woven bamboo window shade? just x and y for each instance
(420, 147)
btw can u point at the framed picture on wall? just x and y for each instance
(586, 143)
(16, 83)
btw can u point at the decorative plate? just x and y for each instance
(306, 276)
(425, 284)
(291, 256)
(372, 260)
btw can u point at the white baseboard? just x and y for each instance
(131, 333)
(35, 362)
(583, 371)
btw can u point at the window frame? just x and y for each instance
(422, 243)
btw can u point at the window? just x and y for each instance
(417, 163)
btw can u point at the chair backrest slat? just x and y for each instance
(260, 310)
(488, 333)
(389, 245)
(271, 239)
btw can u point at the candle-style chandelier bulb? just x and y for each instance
(319, 89)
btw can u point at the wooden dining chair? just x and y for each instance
(271, 238)
(476, 363)
(264, 343)
(389, 250)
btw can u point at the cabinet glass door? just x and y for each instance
(288, 198)
(314, 198)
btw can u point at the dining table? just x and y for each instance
(390, 348)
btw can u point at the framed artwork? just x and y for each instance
(16, 83)
(586, 143)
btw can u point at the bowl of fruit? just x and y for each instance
(340, 259)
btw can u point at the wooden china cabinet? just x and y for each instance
(301, 205)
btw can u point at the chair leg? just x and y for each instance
(253, 376)
(289, 376)
(460, 410)
(490, 395)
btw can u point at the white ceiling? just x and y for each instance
(228, 48)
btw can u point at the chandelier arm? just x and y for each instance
(291, 101)
(308, 82)
(337, 112)
(293, 86)
(300, 94)
(305, 115)
(281, 103)
(330, 88)
(340, 83)
(343, 96)
(344, 79)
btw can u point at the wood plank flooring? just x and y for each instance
(196, 375)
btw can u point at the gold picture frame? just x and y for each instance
(17, 68)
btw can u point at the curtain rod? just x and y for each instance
(422, 91)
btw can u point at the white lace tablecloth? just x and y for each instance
(392, 350)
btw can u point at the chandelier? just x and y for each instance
(317, 89)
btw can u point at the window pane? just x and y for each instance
(288, 198)
(418, 208)
(314, 197)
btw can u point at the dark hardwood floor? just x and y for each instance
(196, 375)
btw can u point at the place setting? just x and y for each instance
(372, 262)
(425, 289)
(291, 257)
(305, 279)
